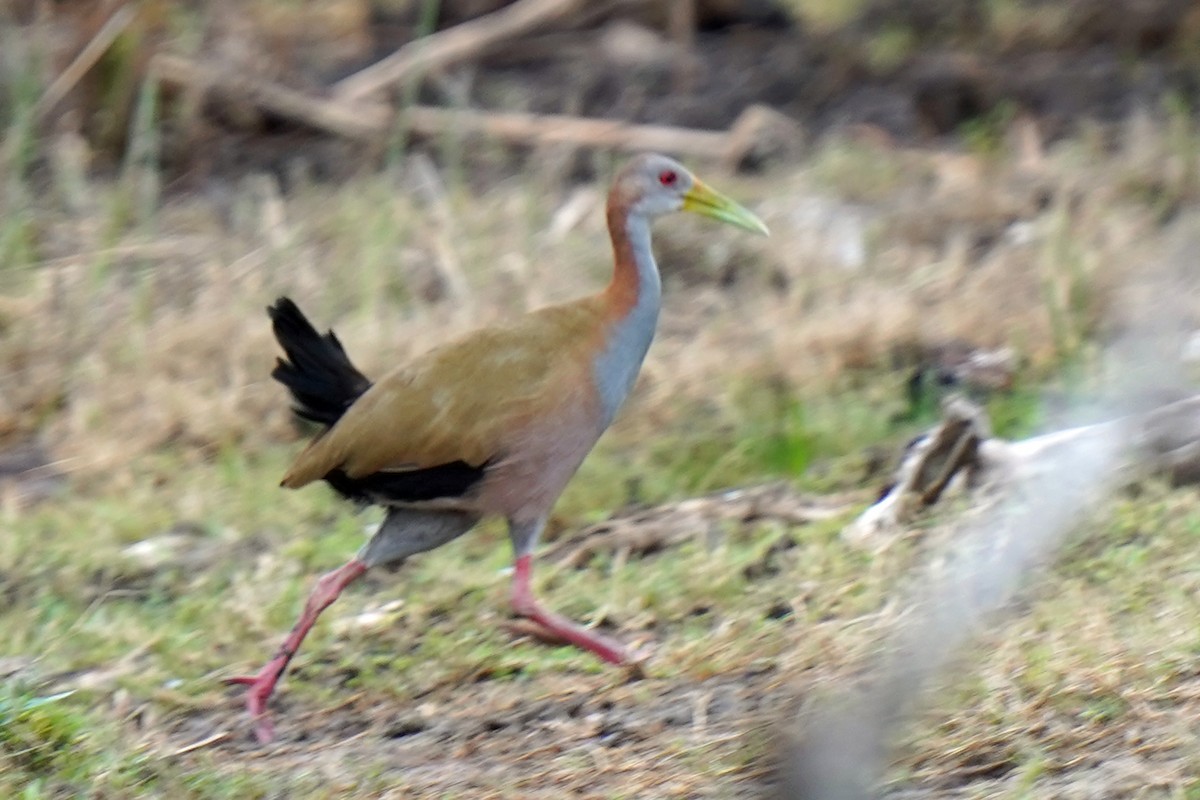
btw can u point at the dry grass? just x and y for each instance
(105, 313)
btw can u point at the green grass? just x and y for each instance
(119, 651)
(160, 636)
(126, 636)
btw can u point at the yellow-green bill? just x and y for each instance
(705, 200)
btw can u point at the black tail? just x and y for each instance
(317, 370)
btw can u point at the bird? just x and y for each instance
(494, 423)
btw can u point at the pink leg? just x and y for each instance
(328, 587)
(525, 605)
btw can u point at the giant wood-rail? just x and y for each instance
(494, 423)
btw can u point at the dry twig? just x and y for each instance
(82, 63)
(645, 531)
(207, 741)
(452, 45)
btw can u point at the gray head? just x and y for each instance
(652, 185)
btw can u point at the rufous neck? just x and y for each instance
(635, 281)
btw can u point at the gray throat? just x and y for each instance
(617, 366)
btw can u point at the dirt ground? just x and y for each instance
(579, 735)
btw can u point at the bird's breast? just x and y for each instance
(540, 458)
(615, 368)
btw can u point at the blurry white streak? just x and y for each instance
(842, 750)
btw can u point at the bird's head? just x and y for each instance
(653, 185)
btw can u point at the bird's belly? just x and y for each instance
(526, 483)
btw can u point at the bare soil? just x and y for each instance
(516, 738)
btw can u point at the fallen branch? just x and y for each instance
(546, 129)
(758, 131)
(543, 129)
(360, 122)
(645, 531)
(754, 130)
(1165, 441)
(452, 45)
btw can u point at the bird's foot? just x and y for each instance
(328, 587)
(260, 688)
(550, 627)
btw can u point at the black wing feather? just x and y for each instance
(408, 486)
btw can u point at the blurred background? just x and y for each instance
(964, 195)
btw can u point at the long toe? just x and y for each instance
(608, 649)
(240, 680)
(553, 629)
(259, 690)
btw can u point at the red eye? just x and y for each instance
(667, 177)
